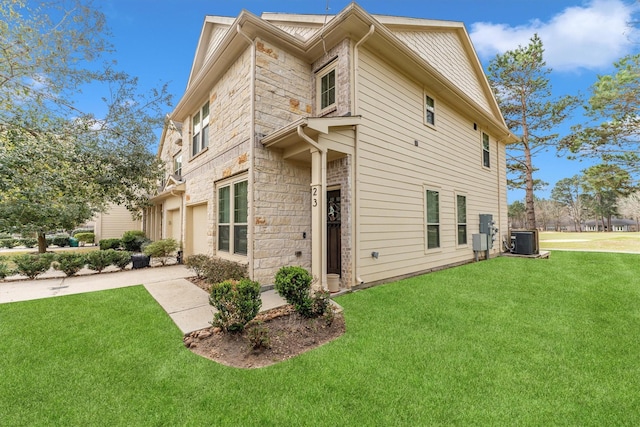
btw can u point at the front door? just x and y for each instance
(334, 249)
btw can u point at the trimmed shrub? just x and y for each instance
(81, 230)
(133, 240)
(197, 263)
(85, 237)
(217, 270)
(32, 265)
(61, 241)
(4, 269)
(69, 263)
(258, 336)
(294, 285)
(237, 302)
(106, 244)
(120, 259)
(161, 249)
(99, 260)
(9, 243)
(29, 242)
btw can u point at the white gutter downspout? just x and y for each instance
(322, 270)
(252, 128)
(356, 187)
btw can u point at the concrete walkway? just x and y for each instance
(186, 303)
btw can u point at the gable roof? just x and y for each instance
(415, 45)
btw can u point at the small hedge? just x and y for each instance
(85, 237)
(237, 303)
(120, 259)
(161, 249)
(216, 270)
(69, 263)
(9, 242)
(31, 265)
(29, 242)
(61, 241)
(4, 269)
(133, 240)
(106, 244)
(294, 285)
(197, 263)
(99, 260)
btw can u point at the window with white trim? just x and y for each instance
(200, 130)
(429, 110)
(486, 155)
(232, 217)
(461, 214)
(177, 164)
(326, 81)
(433, 219)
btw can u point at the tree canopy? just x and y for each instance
(613, 133)
(519, 79)
(60, 165)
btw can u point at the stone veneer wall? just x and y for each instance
(343, 77)
(339, 174)
(282, 198)
(283, 215)
(229, 138)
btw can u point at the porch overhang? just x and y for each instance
(293, 147)
(172, 189)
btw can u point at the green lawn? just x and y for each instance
(501, 342)
(591, 241)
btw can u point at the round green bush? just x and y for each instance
(237, 303)
(31, 265)
(161, 249)
(69, 263)
(133, 240)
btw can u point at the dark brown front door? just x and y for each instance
(334, 258)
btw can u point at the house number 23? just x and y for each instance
(314, 197)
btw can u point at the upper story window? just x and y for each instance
(486, 158)
(429, 110)
(177, 164)
(326, 87)
(200, 130)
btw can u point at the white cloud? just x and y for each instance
(591, 37)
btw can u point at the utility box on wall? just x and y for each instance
(479, 242)
(486, 228)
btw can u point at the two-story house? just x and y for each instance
(356, 145)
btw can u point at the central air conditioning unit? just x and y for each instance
(524, 242)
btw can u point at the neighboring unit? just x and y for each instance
(359, 145)
(112, 223)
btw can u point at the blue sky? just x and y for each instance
(156, 40)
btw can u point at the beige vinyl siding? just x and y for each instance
(217, 34)
(394, 174)
(303, 32)
(445, 52)
(113, 223)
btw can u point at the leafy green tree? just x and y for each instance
(568, 192)
(606, 183)
(58, 165)
(517, 214)
(613, 133)
(519, 79)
